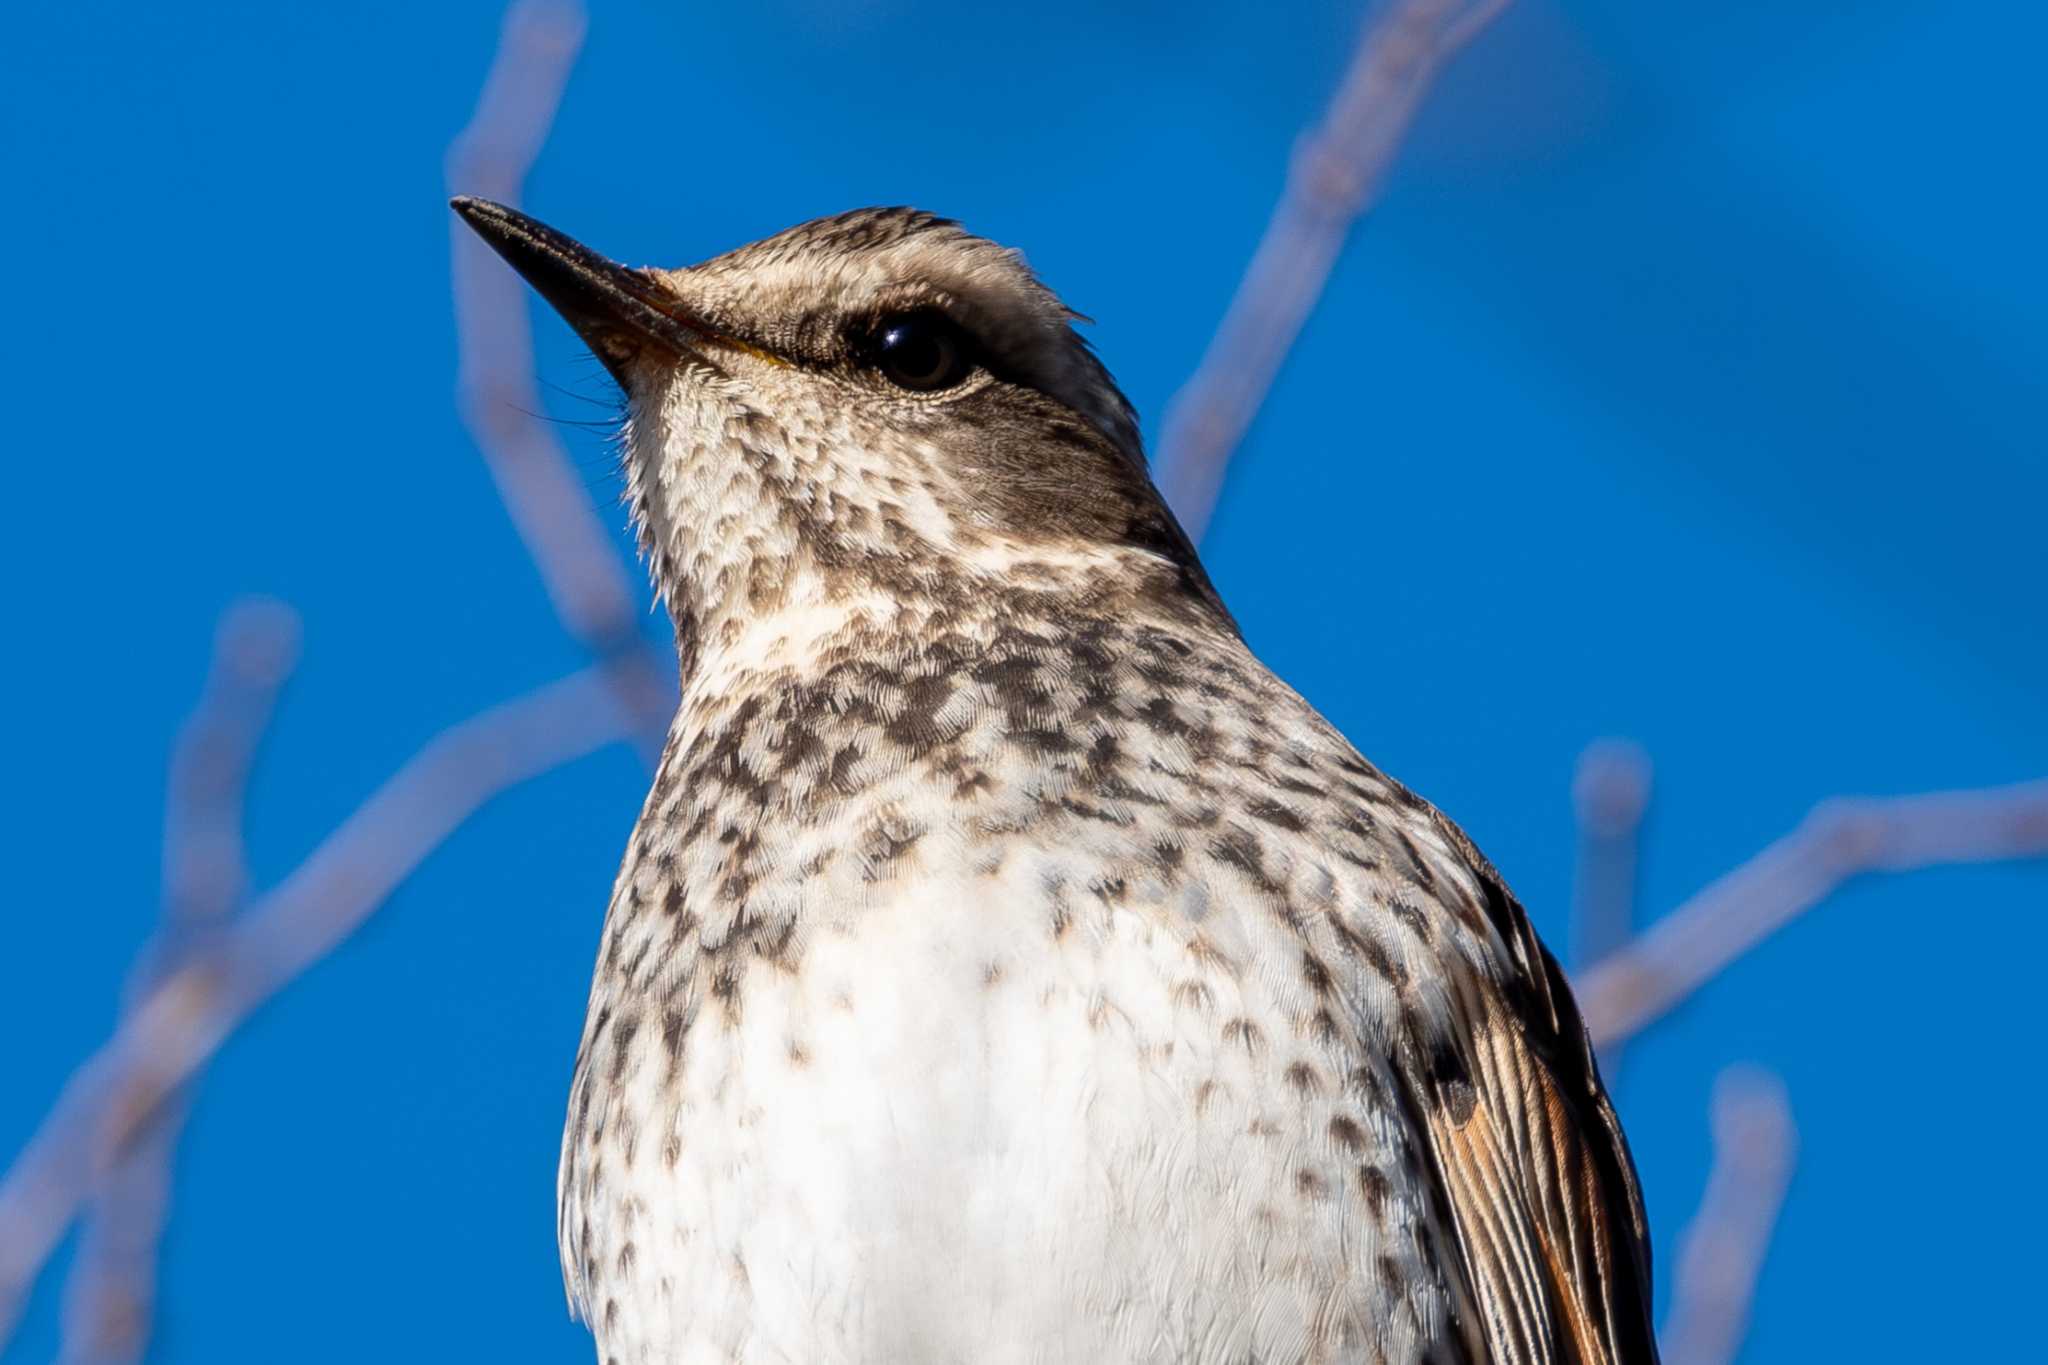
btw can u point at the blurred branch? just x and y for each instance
(1722, 1255)
(184, 1018)
(1840, 840)
(1335, 176)
(1610, 792)
(111, 1134)
(113, 1281)
(496, 390)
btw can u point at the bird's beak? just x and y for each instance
(617, 310)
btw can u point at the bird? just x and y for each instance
(1006, 966)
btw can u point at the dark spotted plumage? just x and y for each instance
(1006, 966)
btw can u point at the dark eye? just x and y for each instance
(922, 351)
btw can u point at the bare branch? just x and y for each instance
(1722, 1255)
(1840, 840)
(255, 651)
(1610, 792)
(183, 1020)
(496, 389)
(112, 1290)
(112, 1130)
(1335, 177)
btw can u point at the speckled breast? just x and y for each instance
(1035, 999)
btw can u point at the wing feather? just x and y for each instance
(1536, 1172)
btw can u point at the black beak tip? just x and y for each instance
(531, 247)
(482, 214)
(603, 300)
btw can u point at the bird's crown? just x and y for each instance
(830, 292)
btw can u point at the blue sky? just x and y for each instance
(1686, 386)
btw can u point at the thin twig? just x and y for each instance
(495, 388)
(112, 1291)
(1610, 792)
(118, 1104)
(1841, 839)
(186, 1017)
(107, 1317)
(1335, 176)
(1722, 1256)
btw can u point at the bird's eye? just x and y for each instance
(923, 351)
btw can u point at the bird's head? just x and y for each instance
(878, 403)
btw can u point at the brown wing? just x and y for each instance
(1534, 1168)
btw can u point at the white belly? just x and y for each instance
(953, 1135)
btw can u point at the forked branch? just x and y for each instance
(111, 1299)
(109, 1135)
(182, 1021)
